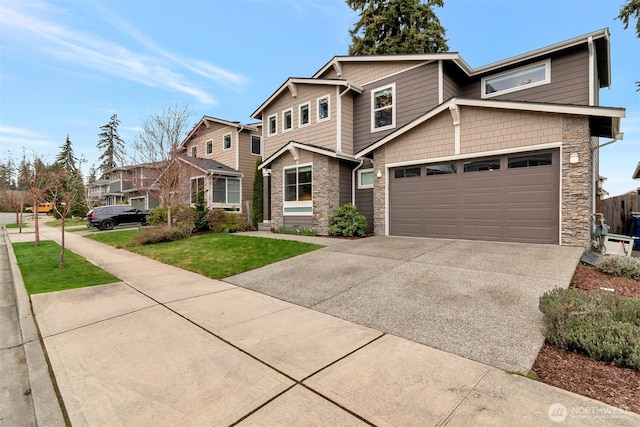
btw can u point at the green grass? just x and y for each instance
(24, 225)
(68, 222)
(40, 271)
(215, 255)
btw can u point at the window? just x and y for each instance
(226, 141)
(323, 108)
(287, 120)
(514, 80)
(482, 165)
(407, 173)
(193, 151)
(273, 125)
(303, 115)
(529, 161)
(256, 145)
(365, 178)
(226, 191)
(209, 147)
(298, 190)
(383, 115)
(197, 190)
(443, 169)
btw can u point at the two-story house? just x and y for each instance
(133, 185)
(220, 160)
(425, 145)
(97, 191)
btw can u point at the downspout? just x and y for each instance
(238, 147)
(353, 182)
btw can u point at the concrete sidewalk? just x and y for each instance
(165, 346)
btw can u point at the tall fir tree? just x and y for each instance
(111, 145)
(66, 159)
(396, 26)
(630, 10)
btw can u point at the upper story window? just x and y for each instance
(256, 145)
(287, 120)
(226, 141)
(303, 114)
(272, 125)
(383, 113)
(193, 151)
(209, 147)
(513, 80)
(323, 108)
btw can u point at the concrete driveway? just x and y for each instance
(475, 299)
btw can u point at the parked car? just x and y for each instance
(107, 217)
(42, 208)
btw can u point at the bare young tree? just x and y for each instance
(63, 192)
(158, 148)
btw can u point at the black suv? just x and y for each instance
(107, 217)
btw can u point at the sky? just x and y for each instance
(67, 66)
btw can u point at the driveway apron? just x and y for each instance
(478, 300)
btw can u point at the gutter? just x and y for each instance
(353, 182)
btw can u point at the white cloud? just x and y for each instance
(38, 26)
(17, 138)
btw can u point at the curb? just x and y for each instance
(45, 401)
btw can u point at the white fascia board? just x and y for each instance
(305, 147)
(387, 58)
(542, 51)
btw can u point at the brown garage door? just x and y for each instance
(510, 198)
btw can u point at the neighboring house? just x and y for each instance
(133, 185)
(220, 159)
(425, 145)
(97, 191)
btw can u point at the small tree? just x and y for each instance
(396, 26)
(63, 188)
(257, 213)
(158, 145)
(631, 10)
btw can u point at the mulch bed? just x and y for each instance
(616, 386)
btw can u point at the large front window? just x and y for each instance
(383, 114)
(298, 190)
(197, 190)
(226, 191)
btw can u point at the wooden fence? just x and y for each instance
(617, 212)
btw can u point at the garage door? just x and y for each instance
(512, 198)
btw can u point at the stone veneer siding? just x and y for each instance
(326, 197)
(379, 191)
(577, 181)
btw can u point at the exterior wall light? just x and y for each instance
(574, 158)
(379, 174)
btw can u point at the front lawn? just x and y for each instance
(215, 255)
(40, 271)
(69, 222)
(24, 225)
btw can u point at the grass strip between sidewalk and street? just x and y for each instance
(41, 273)
(214, 255)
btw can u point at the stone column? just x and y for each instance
(379, 192)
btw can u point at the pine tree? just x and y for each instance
(66, 159)
(396, 26)
(92, 175)
(257, 211)
(111, 145)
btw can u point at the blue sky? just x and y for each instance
(66, 66)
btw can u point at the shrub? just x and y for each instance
(603, 325)
(236, 222)
(621, 266)
(201, 211)
(185, 218)
(160, 234)
(157, 216)
(216, 218)
(347, 221)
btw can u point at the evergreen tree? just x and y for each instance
(111, 145)
(257, 211)
(92, 174)
(24, 173)
(396, 26)
(66, 159)
(630, 10)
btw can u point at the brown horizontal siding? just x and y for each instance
(416, 93)
(364, 204)
(345, 182)
(298, 221)
(569, 82)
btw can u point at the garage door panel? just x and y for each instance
(517, 204)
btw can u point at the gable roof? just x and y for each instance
(636, 173)
(605, 121)
(293, 146)
(292, 82)
(599, 37)
(207, 120)
(209, 166)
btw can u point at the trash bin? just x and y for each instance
(635, 227)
